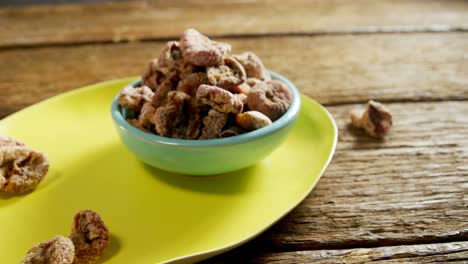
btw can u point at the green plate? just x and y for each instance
(153, 216)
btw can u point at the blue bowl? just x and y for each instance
(206, 157)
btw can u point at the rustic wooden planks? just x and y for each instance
(456, 252)
(129, 21)
(402, 199)
(330, 69)
(407, 188)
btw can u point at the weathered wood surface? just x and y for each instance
(330, 69)
(456, 252)
(410, 187)
(401, 199)
(129, 21)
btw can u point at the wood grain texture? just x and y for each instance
(427, 253)
(409, 188)
(130, 21)
(330, 69)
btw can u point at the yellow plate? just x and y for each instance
(153, 216)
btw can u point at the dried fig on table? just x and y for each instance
(199, 50)
(375, 119)
(213, 124)
(227, 76)
(21, 168)
(58, 250)
(218, 98)
(90, 236)
(272, 98)
(133, 98)
(253, 66)
(252, 120)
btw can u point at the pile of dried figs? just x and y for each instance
(198, 89)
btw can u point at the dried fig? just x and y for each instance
(90, 236)
(214, 123)
(190, 83)
(133, 98)
(253, 66)
(272, 98)
(199, 50)
(21, 168)
(376, 119)
(227, 76)
(58, 250)
(218, 98)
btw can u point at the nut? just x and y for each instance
(252, 120)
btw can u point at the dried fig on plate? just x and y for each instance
(90, 236)
(21, 168)
(58, 250)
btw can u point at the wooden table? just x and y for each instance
(402, 199)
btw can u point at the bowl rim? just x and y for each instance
(285, 120)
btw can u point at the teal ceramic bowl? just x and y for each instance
(206, 157)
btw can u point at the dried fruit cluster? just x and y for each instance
(197, 89)
(88, 239)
